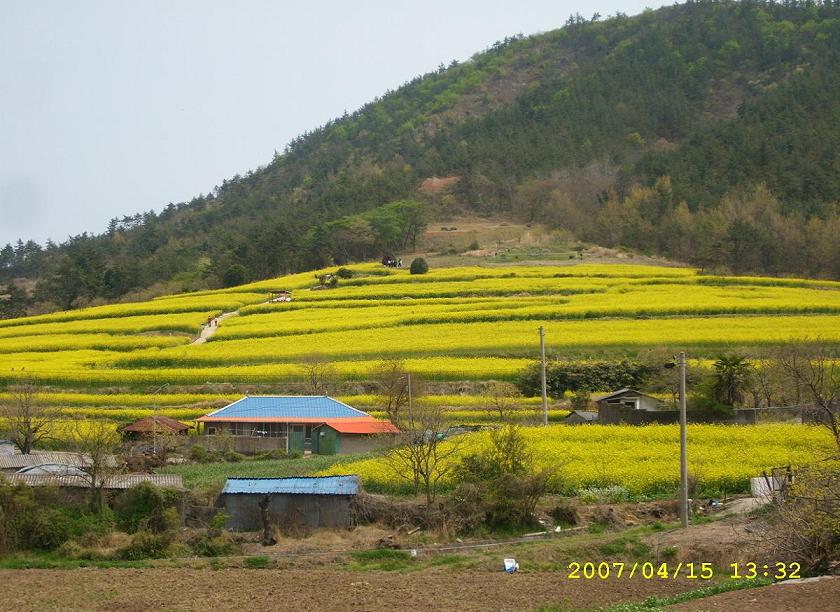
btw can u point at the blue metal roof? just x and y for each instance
(288, 407)
(299, 485)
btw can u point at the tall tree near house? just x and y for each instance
(391, 379)
(97, 443)
(26, 420)
(423, 456)
(319, 375)
(815, 370)
(501, 400)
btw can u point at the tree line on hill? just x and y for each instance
(705, 132)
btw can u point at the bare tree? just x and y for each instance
(27, 421)
(802, 527)
(391, 379)
(501, 399)
(319, 374)
(423, 456)
(815, 371)
(97, 443)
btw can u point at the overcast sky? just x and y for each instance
(109, 107)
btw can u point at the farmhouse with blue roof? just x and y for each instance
(298, 424)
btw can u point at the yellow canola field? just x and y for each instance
(468, 323)
(645, 459)
(193, 302)
(620, 301)
(187, 322)
(501, 338)
(74, 374)
(95, 341)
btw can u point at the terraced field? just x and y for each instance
(452, 324)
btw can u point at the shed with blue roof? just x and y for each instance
(290, 503)
(298, 423)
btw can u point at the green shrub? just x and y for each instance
(147, 506)
(344, 273)
(669, 552)
(233, 457)
(419, 266)
(219, 546)
(235, 275)
(214, 541)
(257, 562)
(33, 519)
(200, 454)
(147, 545)
(583, 376)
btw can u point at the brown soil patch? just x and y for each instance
(435, 184)
(810, 594)
(322, 541)
(314, 589)
(720, 543)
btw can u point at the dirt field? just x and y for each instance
(316, 589)
(815, 594)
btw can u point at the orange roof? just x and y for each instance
(359, 426)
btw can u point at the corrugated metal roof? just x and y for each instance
(8, 462)
(287, 407)
(116, 481)
(301, 485)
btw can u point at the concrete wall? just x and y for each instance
(309, 510)
(610, 414)
(353, 443)
(251, 445)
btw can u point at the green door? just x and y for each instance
(327, 440)
(316, 439)
(297, 439)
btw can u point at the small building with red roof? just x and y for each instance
(298, 424)
(157, 424)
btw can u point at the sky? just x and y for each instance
(109, 108)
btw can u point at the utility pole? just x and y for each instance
(155, 391)
(683, 445)
(410, 413)
(542, 376)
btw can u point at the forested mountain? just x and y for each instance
(706, 132)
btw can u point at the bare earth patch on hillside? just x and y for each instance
(503, 242)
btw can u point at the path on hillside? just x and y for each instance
(208, 331)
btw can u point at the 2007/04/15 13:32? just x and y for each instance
(700, 571)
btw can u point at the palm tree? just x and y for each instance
(733, 374)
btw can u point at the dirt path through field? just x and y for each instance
(208, 331)
(314, 589)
